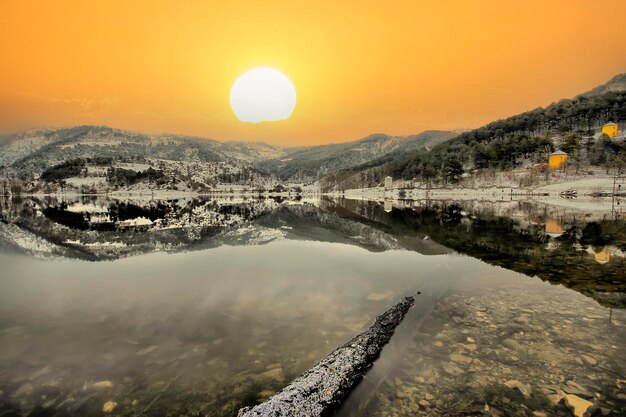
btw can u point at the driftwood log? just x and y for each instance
(322, 388)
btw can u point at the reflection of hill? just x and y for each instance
(522, 246)
(111, 229)
(305, 222)
(311, 223)
(585, 255)
(370, 213)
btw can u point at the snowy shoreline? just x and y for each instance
(592, 194)
(592, 187)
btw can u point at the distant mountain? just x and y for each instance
(51, 146)
(615, 84)
(102, 159)
(315, 161)
(81, 157)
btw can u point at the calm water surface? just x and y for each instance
(200, 308)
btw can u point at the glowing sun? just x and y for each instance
(262, 95)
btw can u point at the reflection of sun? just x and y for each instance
(262, 95)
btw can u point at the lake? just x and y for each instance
(198, 307)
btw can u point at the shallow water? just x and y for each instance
(219, 304)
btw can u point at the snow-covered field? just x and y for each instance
(86, 181)
(581, 203)
(133, 167)
(586, 200)
(584, 186)
(500, 186)
(26, 144)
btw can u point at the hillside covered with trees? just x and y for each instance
(522, 140)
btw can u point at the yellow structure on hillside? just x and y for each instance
(610, 129)
(557, 159)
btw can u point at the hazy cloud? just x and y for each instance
(83, 102)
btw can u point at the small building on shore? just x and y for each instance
(557, 160)
(388, 183)
(610, 129)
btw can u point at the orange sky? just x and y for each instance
(359, 67)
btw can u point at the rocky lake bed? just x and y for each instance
(512, 352)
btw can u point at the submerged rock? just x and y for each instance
(109, 406)
(380, 296)
(512, 344)
(457, 357)
(576, 389)
(99, 385)
(471, 347)
(524, 389)
(276, 373)
(554, 399)
(452, 369)
(579, 406)
(264, 394)
(590, 360)
(408, 392)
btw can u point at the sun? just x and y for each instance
(262, 95)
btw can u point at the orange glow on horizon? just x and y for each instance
(397, 67)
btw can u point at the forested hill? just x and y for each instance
(527, 138)
(581, 113)
(617, 83)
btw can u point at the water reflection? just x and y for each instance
(183, 330)
(551, 243)
(584, 251)
(97, 229)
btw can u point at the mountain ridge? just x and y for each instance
(35, 150)
(615, 84)
(27, 155)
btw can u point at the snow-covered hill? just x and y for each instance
(83, 157)
(19, 146)
(316, 161)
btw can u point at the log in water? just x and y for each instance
(323, 387)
